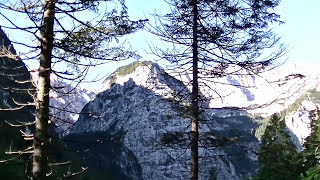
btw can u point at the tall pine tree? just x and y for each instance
(208, 36)
(64, 37)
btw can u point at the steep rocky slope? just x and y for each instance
(298, 115)
(16, 93)
(66, 102)
(273, 90)
(16, 89)
(147, 111)
(140, 104)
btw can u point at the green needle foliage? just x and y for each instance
(312, 174)
(62, 35)
(278, 155)
(311, 146)
(311, 150)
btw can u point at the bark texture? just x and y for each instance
(195, 99)
(40, 155)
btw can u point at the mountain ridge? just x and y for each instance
(142, 102)
(148, 110)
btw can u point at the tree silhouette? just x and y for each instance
(79, 45)
(216, 38)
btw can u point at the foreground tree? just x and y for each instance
(40, 145)
(278, 155)
(216, 38)
(76, 45)
(311, 146)
(310, 153)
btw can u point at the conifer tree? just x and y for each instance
(278, 155)
(208, 36)
(76, 44)
(311, 151)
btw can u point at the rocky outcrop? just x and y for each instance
(298, 119)
(66, 102)
(16, 90)
(16, 97)
(149, 108)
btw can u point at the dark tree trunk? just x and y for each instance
(40, 155)
(195, 99)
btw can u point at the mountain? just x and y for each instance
(18, 85)
(16, 89)
(137, 125)
(66, 102)
(298, 115)
(16, 98)
(147, 111)
(272, 90)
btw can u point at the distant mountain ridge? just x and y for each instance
(265, 93)
(66, 102)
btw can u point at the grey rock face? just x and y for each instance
(16, 89)
(299, 120)
(66, 102)
(155, 121)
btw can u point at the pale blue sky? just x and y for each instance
(300, 31)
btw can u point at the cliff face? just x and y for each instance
(66, 102)
(16, 89)
(141, 117)
(149, 110)
(261, 94)
(16, 94)
(298, 117)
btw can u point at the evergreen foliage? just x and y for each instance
(216, 34)
(278, 155)
(312, 174)
(11, 140)
(311, 146)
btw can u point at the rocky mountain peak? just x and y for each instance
(139, 71)
(148, 110)
(148, 75)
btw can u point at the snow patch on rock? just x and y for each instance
(65, 103)
(299, 122)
